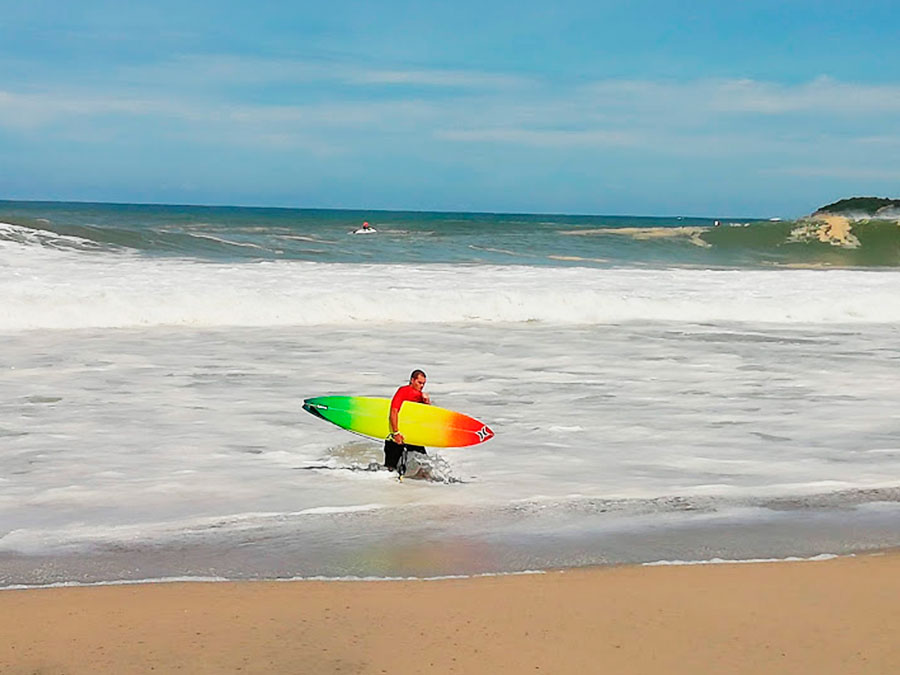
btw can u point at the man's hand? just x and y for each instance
(426, 398)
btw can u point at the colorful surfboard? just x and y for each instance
(420, 424)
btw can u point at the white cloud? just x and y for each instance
(36, 110)
(330, 106)
(33, 110)
(822, 95)
(839, 171)
(331, 115)
(436, 78)
(542, 137)
(223, 71)
(880, 141)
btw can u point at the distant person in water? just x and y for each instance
(366, 226)
(395, 446)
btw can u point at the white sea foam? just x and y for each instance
(12, 238)
(117, 582)
(320, 510)
(721, 561)
(45, 288)
(172, 417)
(318, 577)
(229, 242)
(79, 534)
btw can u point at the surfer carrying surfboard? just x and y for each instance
(395, 448)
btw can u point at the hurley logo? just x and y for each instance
(484, 433)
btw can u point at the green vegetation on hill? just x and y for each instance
(867, 205)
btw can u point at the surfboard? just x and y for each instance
(420, 424)
(363, 230)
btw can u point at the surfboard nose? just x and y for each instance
(310, 406)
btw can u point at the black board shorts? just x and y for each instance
(393, 451)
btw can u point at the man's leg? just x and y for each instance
(392, 452)
(413, 467)
(401, 465)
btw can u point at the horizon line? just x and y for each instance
(368, 210)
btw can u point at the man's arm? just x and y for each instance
(392, 420)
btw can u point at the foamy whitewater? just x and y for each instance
(660, 389)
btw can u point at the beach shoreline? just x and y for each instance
(837, 615)
(423, 542)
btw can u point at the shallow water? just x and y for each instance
(186, 441)
(150, 419)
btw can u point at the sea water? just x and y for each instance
(660, 389)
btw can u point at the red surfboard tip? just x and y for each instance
(484, 433)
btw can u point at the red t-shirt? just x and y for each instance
(406, 393)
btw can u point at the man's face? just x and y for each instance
(418, 382)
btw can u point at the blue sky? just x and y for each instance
(743, 108)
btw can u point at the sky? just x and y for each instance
(756, 108)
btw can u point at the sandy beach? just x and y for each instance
(832, 616)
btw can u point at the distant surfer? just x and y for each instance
(395, 448)
(365, 229)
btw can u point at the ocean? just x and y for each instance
(661, 389)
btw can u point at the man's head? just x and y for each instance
(417, 380)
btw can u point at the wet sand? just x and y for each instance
(834, 230)
(833, 616)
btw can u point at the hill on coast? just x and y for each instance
(863, 208)
(854, 223)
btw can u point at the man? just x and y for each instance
(395, 447)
